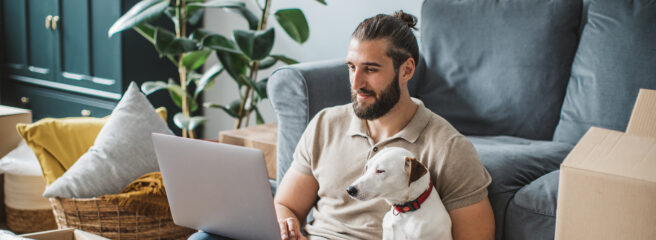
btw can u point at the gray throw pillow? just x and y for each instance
(122, 152)
(498, 67)
(616, 57)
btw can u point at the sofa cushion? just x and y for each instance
(514, 162)
(534, 209)
(614, 60)
(498, 67)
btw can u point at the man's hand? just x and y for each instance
(295, 196)
(290, 229)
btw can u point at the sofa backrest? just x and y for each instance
(498, 67)
(616, 57)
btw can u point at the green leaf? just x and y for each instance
(245, 41)
(232, 6)
(322, 2)
(194, 17)
(294, 22)
(219, 43)
(198, 35)
(208, 79)
(177, 99)
(194, 60)
(284, 59)
(147, 31)
(176, 93)
(153, 86)
(261, 88)
(141, 12)
(263, 44)
(267, 63)
(167, 44)
(255, 45)
(215, 4)
(258, 116)
(235, 64)
(181, 120)
(186, 122)
(196, 121)
(232, 109)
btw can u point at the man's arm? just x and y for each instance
(294, 199)
(473, 222)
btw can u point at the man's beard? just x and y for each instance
(382, 104)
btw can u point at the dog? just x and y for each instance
(417, 212)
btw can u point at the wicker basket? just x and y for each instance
(27, 221)
(106, 218)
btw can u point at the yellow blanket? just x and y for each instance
(145, 195)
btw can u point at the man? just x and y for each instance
(334, 148)
(338, 141)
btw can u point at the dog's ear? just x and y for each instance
(415, 169)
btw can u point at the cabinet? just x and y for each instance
(58, 61)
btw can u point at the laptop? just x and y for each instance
(217, 188)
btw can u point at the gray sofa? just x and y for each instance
(523, 79)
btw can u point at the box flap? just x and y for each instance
(615, 153)
(63, 234)
(6, 110)
(82, 235)
(643, 117)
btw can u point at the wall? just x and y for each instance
(330, 30)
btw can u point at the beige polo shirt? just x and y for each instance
(335, 147)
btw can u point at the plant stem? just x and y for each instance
(242, 106)
(254, 69)
(180, 32)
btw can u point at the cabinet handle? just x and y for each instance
(25, 100)
(48, 21)
(55, 20)
(85, 113)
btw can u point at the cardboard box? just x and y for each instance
(64, 234)
(263, 137)
(607, 186)
(9, 117)
(9, 139)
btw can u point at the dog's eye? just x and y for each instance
(380, 171)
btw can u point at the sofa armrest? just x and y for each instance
(297, 93)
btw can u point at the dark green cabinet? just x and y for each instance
(59, 62)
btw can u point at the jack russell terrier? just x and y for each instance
(417, 212)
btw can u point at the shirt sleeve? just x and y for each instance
(462, 180)
(302, 158)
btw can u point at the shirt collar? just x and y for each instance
(410, 132)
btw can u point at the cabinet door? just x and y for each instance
(88, 57)
(29, 38)
(47, 102)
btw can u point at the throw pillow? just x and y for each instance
(616, 57)
(121, 153)
(59, 142)
(498, 67)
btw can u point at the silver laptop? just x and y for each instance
(218, 188)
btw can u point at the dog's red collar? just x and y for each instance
(415, 204)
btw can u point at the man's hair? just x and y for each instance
(397, 29)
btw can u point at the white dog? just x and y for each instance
(397, 177)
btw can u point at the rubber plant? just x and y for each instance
(241, 55)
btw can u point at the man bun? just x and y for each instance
(408, 19)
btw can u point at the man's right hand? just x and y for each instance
(290, 229)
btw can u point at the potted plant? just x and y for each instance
(242, 55)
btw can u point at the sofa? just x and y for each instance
(522, 79)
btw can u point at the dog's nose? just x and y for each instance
(351, 190)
